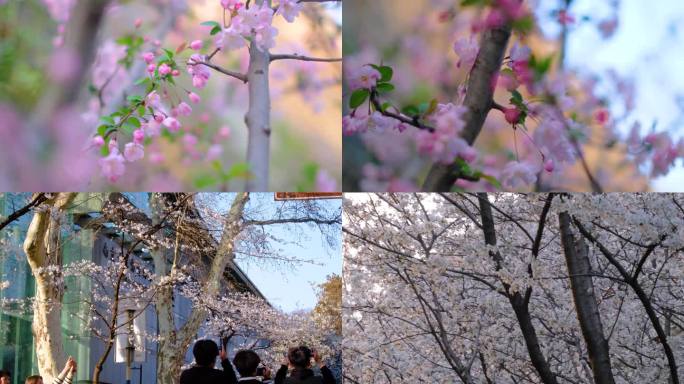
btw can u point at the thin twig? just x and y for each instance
(240, 76)
(295, 56)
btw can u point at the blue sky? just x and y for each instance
(647, 47)
(294, 288)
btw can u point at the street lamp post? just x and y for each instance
(130, 348)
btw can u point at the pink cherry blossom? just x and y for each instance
(565, 18)
(184, 109)
(134, 152)
(200, 73)
(172, 124)
(164, 69)
(214, 152)
(445, 144)
(512, 115)
(139, 136)
(152, 128)
(196, 45)
(364, 77)
(354, 124)
(148, 57)
(112, 166)
(601, 116)
(551, 138)
(98, 141)
(519, 174)
(467, 50)
(230, 4)
(230, 39)
(289, 9)
(195, 98)
(224, 132)
(549, 165)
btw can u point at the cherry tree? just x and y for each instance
(192, 239)
(472, 95)
(507, 288)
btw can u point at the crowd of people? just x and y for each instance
(297, 368)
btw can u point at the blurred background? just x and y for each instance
(60, 58)
(620, 53)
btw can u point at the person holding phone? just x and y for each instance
(299, 359)
(248, 365)
(205, 352)
(64, 377)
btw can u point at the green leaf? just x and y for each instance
(410, 110)
(423, 107)
(142, 80)
(523, 25)
(432, 106)
(128, 128)
(516, 97)
(134, 121)
(467, 3)
(357, 98)
(205, 181)
(125, 40)
(384, 87)
(237, 170)
(386, 72)
(493, 181)
(108, 120)
(464, 167)
(104, 151)
(385, 105)
(102, 129)
(135, 99)
(215, 30)
(211, 24)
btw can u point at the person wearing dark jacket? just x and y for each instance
(203, 372)
(247, 364)
(299, 358)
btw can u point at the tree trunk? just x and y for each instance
(633, 282)
(168, 367)
(518, 302)
(258, 118)
(42, 248)
(579, 270)
(478, 100)
(85, 22)
(176, 342)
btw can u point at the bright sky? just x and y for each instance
(647, 47)
(293, 289)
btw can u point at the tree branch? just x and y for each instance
(240, 76)
(37, 200)
(413, 121)
(296, 56)
(478, 100)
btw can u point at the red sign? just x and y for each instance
(307, 195)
